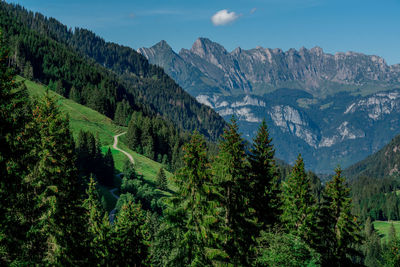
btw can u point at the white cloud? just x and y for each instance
(224, 17)
(253, 10)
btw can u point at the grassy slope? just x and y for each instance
(383, 228)
(84, 118)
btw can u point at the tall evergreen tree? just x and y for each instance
(56, 186)
(162, 179)
(231, 169)
(392, 248)
(98, 227)
(341, 223)
(123, 113)
(264, 192)
(108, 174)
(193, 210)
(15, 113)
(298, 203)
(372, 246)
(131, 237)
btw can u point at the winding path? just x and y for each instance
(115, 146)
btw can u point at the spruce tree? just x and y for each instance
(391, 253)
(130, 237)
(372, 246)
(162, 179)
(122, 113)
(57, 186)
(108, 175)
(264, 187)
(298, 203)
(193, 214)
(98, 231)
(340, 222)
(75, 95)
(15, 157)
(231, 170)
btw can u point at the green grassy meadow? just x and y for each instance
(86, 119)
(383, 228)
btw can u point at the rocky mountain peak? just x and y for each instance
(162, 45)
(317, 51)
(204, 46)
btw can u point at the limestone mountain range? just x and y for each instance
(333, 108)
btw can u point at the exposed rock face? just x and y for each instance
(334, 109)
(377, 105)
(261, 69)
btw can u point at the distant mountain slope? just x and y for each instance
(147, 84)
(334, 109)
(381, 164)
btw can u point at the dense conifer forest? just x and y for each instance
(231, 203)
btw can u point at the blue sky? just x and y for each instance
(371, 27)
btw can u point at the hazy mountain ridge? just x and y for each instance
(261, 70)
(339, 108)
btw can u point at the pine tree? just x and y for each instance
(391, 253)
(264, 192)
(298, 203)
(341, 223)
(57, 186)
(194, 211)
(372, 246)
(122, 113)
(75, 95)
(108, 175)
(231, 170)
(131, 237)
(162, 179)
(59, 88)
(98, 227)
(28, 71)
(134, 134)
(15, 157)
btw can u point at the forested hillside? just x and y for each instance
(231, 205)
(46, 50)
(385, 162)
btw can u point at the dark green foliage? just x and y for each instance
(391, 252)
(153, 136)
(108, 166)
(193, 214)
(378, 165)
(298, 203)
(130, 237)
(14, 158)
(123, 113)
(56, 184)
(75, 95)
(282, 249)
(147, 195)
(376, 198)
(340, 227)
(372, 246)
(98, 227)
(162, 179)
(264, 186)
(91, 161)
(231, 173)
